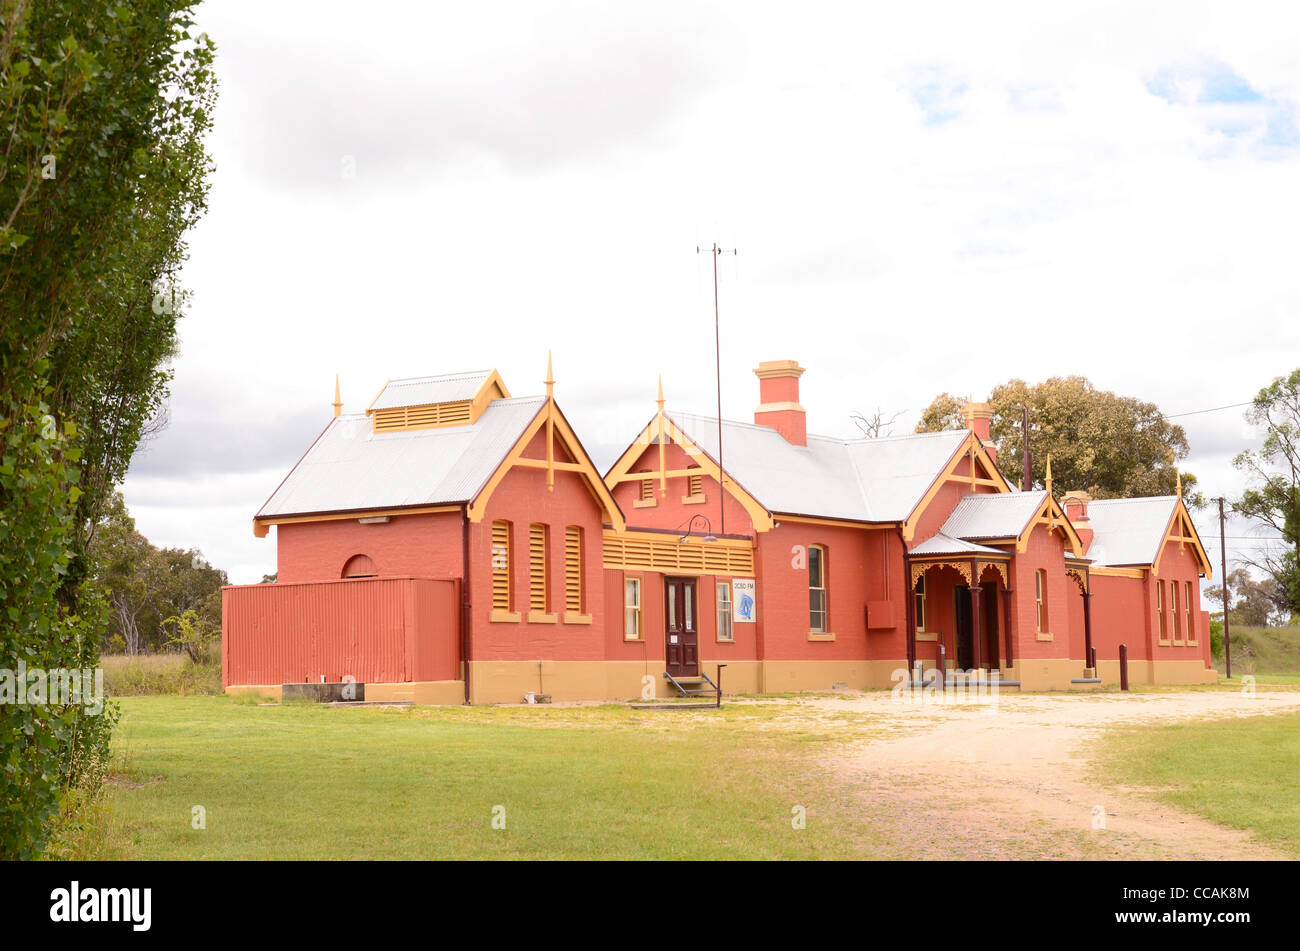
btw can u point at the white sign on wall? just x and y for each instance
(744, 602)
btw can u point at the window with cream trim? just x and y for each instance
(1040, 597)
(631, 609)
(817, 589)
(920, 603)
(1178, 614)
(725, 631)
(1160, 609)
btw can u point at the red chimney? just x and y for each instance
(778, 392)
(1076, 510)
(978, 420)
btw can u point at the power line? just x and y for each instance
(1212, 409)
(1253, 538)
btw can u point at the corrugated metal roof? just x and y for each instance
(427, 390)
(868, 480)
(942, 544)
(352, 468)
(993, 516)
(1129, 531)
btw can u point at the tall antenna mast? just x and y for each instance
(717, 355)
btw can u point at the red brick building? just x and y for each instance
(454, 543)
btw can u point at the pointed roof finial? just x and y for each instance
(660, 400)
(550, 377)
(1180, 483)
(1049, 473)
(338, 400)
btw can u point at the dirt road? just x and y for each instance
(955, 782)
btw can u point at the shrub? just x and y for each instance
(1216, 639)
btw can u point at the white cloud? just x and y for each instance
(1064, 219)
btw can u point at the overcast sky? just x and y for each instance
(925, 197)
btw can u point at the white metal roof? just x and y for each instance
(868, 480)
(1128, 531)
(943, 544)
(351, 468)
(993, 516)
(427, 390)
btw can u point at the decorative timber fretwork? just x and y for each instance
(920, 568)
(1080, 578)
(997, 566)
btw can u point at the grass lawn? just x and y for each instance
(126, 675)
(1243, 773)
(300, 780)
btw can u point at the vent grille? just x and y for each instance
(399, 418)
(501, 566)
(537, 568)
(573, 569)
(702, 557)
(694, 485)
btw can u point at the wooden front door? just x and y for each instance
(965, 641)
(989, 626)
(681, 634)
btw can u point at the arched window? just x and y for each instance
(359, 566)
(817, 606)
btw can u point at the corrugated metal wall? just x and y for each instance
(375, 630)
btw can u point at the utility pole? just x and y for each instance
(717, 355)
(1027, 469)
(1223, 569)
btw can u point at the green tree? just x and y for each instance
(145, 585)
(1107, 445)
(193, 634)
(1252, 602)
(194, 585)
(1273, 499)
(102, 169)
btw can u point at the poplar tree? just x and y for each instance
(102, 170)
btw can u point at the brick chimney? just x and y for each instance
(778, 392)
(1076, 510)
(978, 420)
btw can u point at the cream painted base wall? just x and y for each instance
(509, 681)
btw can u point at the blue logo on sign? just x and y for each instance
(746, 607)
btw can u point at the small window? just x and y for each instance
(817, 589)
(632, 609)
(360, 566)
(1187, 606)
(725, 632)
(1160, 609)
(920, 603)
(1040, 596)
(539, 595)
